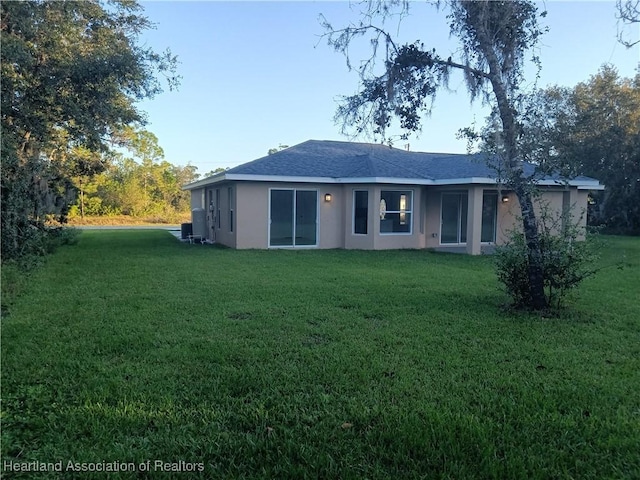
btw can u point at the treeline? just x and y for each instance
(72, 74)
(138, 183)
(593, 129)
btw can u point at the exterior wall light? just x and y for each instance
(505, 198)
(327, 197)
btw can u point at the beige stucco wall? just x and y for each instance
(197, 198)
(556, 198)
(223, 233)
(252, 204)
(352, 240)
(252, 218)
(374, 239)
(335, 223)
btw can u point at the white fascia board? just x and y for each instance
(580, 184)
(204, 182)
(463, 181)
(587, 185)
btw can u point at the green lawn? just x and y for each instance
(132, 347)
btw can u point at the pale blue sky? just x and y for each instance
(257, 74)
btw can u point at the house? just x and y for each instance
(330, 194)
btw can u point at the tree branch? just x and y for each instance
(627, 13)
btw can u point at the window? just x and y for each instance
(489, 217)
(218, 208)
(453, 226)
(395, 211)
(231, 205)
(293, 218)
(360, 212)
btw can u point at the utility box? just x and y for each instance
(199, 223)
(186, 230)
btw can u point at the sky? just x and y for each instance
(256, 75)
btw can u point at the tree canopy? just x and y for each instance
(495, 40)
(136, 182)
(594, 129)
(72, 72)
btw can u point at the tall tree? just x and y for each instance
(139, 181)
(595, 130)
(72, 72)
(495, 38)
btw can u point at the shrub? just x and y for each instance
(568, 258)
(40, 241)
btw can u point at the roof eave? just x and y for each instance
(579, 184)
(219, 177)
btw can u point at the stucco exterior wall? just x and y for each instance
(557, 199)
(197, 198)
(351, 239)
(250, 202)
(252, 205)
(252, 219)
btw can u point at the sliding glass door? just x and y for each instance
(454, 214)
(454, 218)
(293, 220)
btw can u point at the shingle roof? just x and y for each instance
(333, 159)
(322, 159)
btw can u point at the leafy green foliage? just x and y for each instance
(71, 74)
(16, 272)
(495, 39)
(605, 143)
(316, 364)
(592, 129)
(568, 258)
(138, 182)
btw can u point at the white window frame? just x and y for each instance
(410, 212)
(294, 190)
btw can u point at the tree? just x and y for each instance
(627, 13)
(495, 38)
(595, 130)
(72, 72)
(276, 150)
(215, 171)
(139, 181)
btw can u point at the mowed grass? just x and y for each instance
(131, 346)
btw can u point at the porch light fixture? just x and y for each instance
(327, 197)
(505, 198)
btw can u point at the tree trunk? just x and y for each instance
(81, 200)
(515, 175)
(538, 300)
